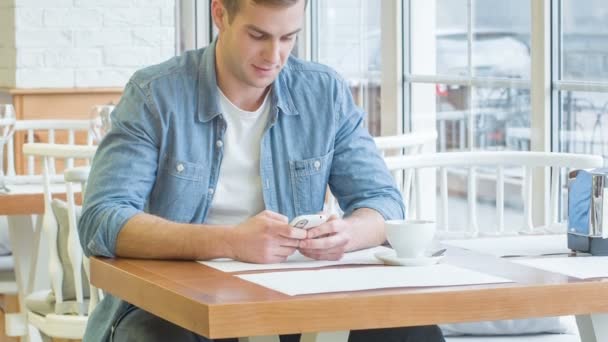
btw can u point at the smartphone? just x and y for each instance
(308, 221)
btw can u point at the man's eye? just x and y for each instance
(289, 38)
(256, 36)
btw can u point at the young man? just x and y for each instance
(211, 153)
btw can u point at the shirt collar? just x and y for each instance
(208, 96)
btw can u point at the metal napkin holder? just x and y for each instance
(588, 211)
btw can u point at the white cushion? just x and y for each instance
(60, 210)
(43, 303)
(554, 325)
(37, 302)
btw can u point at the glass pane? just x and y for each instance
(584, 40)
(444, 107)
(502, 118)
(583, 126)
(501, 46)
(438, 37)
(452, 117)
(502, 38)
(348, 39)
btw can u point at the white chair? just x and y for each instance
(33, 130)
(50, 311)
(403, 144)
(412, 143)
(30, 131)
(501, 167)
(406, 145)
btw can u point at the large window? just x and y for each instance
(484, 73)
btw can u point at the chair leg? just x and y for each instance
(8, 304)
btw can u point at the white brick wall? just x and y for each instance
(82, 43)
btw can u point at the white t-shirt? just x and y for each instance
(238, 194)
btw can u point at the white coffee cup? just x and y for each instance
(409, 238)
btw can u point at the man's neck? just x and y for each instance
(244, 97)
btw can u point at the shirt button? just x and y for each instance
(317, 164)
(179, 167)
(219, 144)
(211, 191)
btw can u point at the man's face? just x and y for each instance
(258, 41)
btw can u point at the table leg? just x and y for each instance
(593, 328)
(28, 263)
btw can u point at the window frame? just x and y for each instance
(193, 25)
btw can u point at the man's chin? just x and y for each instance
(262, 83)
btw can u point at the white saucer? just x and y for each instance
(391, 259)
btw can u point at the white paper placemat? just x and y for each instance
(366, 278)
(582, 267)
(526, 245)
(297, 260)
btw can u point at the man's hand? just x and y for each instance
(327, 241)
(265, 238)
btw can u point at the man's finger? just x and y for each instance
(287, 242)
(284, 251)
(326, 228)
(288, 231)
(331, 241)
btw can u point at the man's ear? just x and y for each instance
(218, 13)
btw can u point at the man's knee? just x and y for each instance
(427, 333)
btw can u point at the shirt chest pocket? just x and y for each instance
(181, 190)
(309, 182)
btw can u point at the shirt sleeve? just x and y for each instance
(359, 177)
(122, 174)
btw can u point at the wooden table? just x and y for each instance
(218, 305)
(26, 200)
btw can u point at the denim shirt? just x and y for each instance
(163, 155)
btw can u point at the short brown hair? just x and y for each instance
(232, 6)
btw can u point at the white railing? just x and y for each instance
(472, 161)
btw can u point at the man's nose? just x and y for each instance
(272, 52)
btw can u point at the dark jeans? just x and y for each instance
(140, 325)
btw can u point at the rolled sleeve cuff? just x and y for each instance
(104, 241)
(387, 207)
